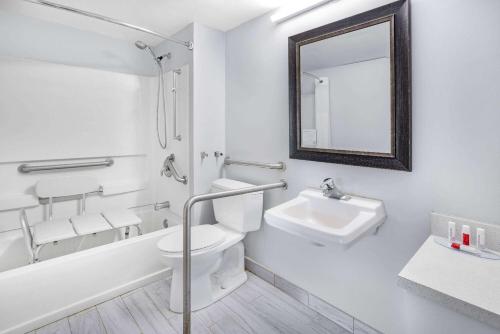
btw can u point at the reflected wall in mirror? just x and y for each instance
(350, 90)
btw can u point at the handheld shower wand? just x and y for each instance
(161, 90)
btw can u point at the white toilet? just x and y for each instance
(217, 254)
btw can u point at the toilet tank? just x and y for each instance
(242, 213)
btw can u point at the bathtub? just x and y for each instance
(35, 295)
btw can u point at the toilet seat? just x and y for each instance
(202, 237)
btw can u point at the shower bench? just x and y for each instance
(81, 225)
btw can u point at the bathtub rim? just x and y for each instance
(92, 300)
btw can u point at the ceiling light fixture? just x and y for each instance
(295, 8)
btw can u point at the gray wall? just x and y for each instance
(209, 83)
(31, 38)
(456, 153)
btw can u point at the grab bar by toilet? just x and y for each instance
(278, 165)
(25, 168)
(186, 236)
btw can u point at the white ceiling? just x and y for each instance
(164, 16)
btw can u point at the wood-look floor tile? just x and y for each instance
(287, 318)
(86, 322)
(248, 292)
(213, 314)
(256, 307)
(58, 327)
(323, 325)
(197, 326)
(270, 291)
(116, 318)
(159, 292)
(248, 317)
(146, 314)
(228, 325)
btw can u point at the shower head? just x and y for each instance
(141, 45)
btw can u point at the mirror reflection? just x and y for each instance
(345, 92)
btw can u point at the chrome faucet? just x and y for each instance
(330, 190)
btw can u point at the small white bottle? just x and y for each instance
(480, 238)
(451, 231)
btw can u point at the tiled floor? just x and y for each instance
(255, 307)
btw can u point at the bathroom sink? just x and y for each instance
(326, 221)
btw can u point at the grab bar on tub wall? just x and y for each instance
(25, 168)
(175, 73)
(169, 170)
(186, 236)
(156, 206)
(278, 165)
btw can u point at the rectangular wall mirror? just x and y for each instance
(349, 86)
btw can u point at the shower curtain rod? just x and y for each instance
(187, 44)
(312, 76)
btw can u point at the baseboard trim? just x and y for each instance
(317, 304)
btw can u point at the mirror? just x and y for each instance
(349, 90)
(345, 87)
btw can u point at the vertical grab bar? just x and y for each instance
(175, 73)
(186, 236)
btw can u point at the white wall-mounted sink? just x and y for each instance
(325, 220)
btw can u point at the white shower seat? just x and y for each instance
(82, 225)
(53, 230)
(89, 224)
(123, 218)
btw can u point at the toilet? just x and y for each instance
(217, 253)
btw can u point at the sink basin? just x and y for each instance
(327, 221)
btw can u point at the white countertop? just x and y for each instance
(465, 278)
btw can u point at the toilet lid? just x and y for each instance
(202, 236)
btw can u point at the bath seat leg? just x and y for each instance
(139, 230)
(36, 253)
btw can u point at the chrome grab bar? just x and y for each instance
(186, 236)
(25, 168)
(161, 205)
(278, 165)
(175, 73)
(46, 200)
(170, 170)
(156, 206)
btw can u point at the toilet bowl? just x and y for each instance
(217, 252)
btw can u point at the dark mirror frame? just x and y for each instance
(399, 13)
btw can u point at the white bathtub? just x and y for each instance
(37, 294)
